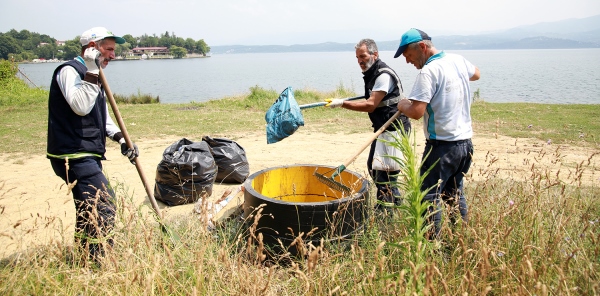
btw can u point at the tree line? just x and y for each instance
(26, 46)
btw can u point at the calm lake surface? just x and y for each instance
(538, 76)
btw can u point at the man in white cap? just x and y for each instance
(78, 124)
(442, 95)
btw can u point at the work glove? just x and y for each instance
(132, 154)
(334, 103)
(91, 57)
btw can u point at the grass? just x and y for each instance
(534, 236)
(234, 116)
(524, 238)
(569, 124)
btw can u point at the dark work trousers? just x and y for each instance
(454, 161)
(384, 181)
(94, 203)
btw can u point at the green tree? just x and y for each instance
(71, 49)
(16, 57)
(179, 41)
(122, 49)
(166, 40)
(28, 44)
(47, 51)
(22, 35)
(130, 39)
(178, 52)
(148, 41)
(8, 44)
(32, 42)
(190, 45)
(13, 33)
(47, 39)
(27, 55)
(202, 47)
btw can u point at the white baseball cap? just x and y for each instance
(98, 33)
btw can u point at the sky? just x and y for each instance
(284, 22)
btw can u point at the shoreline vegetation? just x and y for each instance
(537, 235)
(24, 45)
(189, 56)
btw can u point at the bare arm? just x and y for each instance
(368, 105)
(476, 75)
(412, 109)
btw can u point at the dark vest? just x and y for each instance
(383, 113)
(69, 133)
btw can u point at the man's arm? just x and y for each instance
(380, 89)
(368, 105)
(111, 128)
(80, 95)
(476, 75)
(412, 109)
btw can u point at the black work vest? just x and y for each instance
(383, 113)
(69, 133)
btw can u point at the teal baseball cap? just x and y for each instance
(411, 36)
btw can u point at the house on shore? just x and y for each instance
(143, 53)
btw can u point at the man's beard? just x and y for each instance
(421, 60)
(369, 64)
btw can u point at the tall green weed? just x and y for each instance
(413, 211)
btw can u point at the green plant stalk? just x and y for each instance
(414, 209)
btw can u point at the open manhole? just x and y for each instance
(295, 202)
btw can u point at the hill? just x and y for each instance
(570, 33)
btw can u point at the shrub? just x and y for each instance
(8, 71)
(14, 91)
(138, 98)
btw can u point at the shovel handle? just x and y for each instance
(371, 139)
(138, 166)
(312, 105)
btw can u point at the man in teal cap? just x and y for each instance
(442, 95)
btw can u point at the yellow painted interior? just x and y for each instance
(299, 184)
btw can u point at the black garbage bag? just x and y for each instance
(231, 159)
(186, 172)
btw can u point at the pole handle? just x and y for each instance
(371, 139)
(318, 104)
(138, 166)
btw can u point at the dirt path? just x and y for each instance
(35, 207)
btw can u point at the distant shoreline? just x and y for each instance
(194, 56)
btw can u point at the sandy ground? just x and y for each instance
(35, 208)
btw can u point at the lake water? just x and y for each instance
(538, 76)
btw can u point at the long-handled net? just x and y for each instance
(284, 117)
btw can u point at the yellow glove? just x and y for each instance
(334, 103)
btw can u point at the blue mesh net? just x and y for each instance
(284, 117)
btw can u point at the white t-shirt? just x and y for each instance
(383, 83)
(443, 84)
